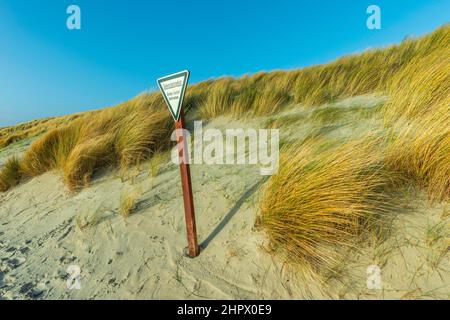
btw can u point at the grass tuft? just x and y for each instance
(419, 118)
(10, 174)
(322, 197)
(121, 136)
(128, 201)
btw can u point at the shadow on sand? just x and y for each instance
(231, 213)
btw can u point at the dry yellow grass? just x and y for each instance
(10, 174)
(420, 151)
(122, 136)
(9, 135)
(421, 89)
(128, 202)
(219, 99)
(158, 159)
(85, 158)
(419, 115)
(322, 197)
(367, 72)
(50, 151)
(249, 96)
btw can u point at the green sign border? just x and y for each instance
(183, 90)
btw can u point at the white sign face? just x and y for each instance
(173, 88)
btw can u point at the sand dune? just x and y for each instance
(44, 229)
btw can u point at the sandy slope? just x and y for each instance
(142, 256)
(42, 232)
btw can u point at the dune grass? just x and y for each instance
(128, 201)
(421, 152)
(418, 114)
(122, 136)
(358, 74)
(51, 151)
(156, 162)
(265, 93)
(414, 74)
(31, 129)
(323, 196)
(11, 174)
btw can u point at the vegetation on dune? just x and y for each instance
(323, 196)
(10, 174)
(368, 72)
(321, 199)
(9, 135)
(122, 136)
(50, 151)
(419, 115)
(128, 202)
(252, 96)
(267, 92)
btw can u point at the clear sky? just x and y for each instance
(124, 46)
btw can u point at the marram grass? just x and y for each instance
(11, 174)
(120, 136)
(322, 198)
(414, 74)
(418, 114)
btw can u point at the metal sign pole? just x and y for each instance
(189, 212)
(173, 88)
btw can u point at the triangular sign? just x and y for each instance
(173, 88)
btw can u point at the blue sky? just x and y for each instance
(123, 46)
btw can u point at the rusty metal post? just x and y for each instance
(189, 212)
